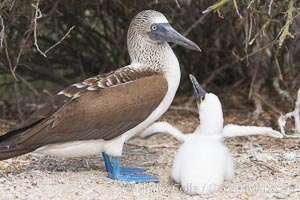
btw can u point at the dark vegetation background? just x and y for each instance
(262, 73)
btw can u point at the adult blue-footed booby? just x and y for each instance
(101, 113)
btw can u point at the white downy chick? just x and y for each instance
(203, 161)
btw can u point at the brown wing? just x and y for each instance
(120, 76)
(99, 114)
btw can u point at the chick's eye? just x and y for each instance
(153, 27)
(202, 98)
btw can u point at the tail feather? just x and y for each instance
(8, 143)
(13, 153)
(17, 131)
(9, 148)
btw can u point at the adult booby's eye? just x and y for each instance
(153, 27)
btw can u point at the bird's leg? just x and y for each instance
(107, 162)
(129, 177)
(123, 170)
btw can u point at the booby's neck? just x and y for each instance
(157, 56)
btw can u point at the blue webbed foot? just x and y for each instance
(134, 178)
(123, 170)
(131, 170)
(130, 174)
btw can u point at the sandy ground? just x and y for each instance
(266, 168)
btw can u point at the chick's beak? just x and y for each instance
(199, 92)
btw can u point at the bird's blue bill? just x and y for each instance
(164, 32)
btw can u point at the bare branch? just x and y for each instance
(250, 3)
(255, 86)
(237, 9)
(57, 43)
(2, 31)
(12, 3)
(213, 74)
(35, 92)
(268, 103)
(281, 92)
(17, 92)
(38, 15)
(176, 1)
(270, 7)
(265, 25)
(296, 114)
(215, 6)
(285, 30)
(258, 107)
(9, 61)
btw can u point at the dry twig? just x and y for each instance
(266, 24)
(38, 15)
(214, 74)
(237, 9)
(250, 3)
(258, 107)
(2, 31)
(35, 92)
(255, 86)
(216, 6)
(285, 30)
(9, 61)
(272, 167)
(268, 104)
(296, 114)
(270, 7)
(177, 4)
(283, 93)
(11, 123)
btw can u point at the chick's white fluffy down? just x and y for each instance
(202, 164)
